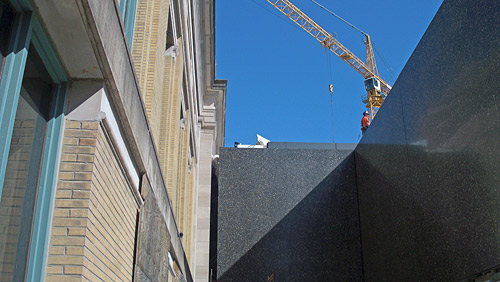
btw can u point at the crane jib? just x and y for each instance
(367, 70)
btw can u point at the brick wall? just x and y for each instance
(171, 131)
(149, 45)
(93, 228)
(161, 80)
(171, 109)
(184, 200)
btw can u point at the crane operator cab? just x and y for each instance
(372, 83)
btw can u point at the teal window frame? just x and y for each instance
(128, 11)
(28, 28)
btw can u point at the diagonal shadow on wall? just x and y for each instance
(318, 240)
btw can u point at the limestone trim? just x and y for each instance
(97, 108)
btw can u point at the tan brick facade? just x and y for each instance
(161, 79)
(95, 213)
(149, 55)
(116, 113)
(183, 208)
(170, 131)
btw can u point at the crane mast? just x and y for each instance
(368, 70)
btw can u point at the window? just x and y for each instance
(33, 88)
(170, 32)
(128, 9)
(184, 90)
(6, 22)
(191, 153)
(22, 176)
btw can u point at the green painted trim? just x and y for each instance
(123, 8)
(48, 177)
(45, 49)
(22, 5)
(27, 213)
(10, 86)
(47, 188)
(30, 29)
(130, 21)
(41, 41)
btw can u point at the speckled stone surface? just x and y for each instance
(291, 213)
(316, 146)
(426, 176)
(429, 166)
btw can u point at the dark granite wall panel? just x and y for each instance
(291, 213)
(428, 168)
(426, 176)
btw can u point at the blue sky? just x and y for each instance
(278, 75)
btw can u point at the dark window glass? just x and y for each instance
(6, 22)
(170, 32)
(23, 169)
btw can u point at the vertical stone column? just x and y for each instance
(202, 248)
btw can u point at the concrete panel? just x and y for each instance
(66, 26)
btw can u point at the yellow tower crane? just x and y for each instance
(376, 88)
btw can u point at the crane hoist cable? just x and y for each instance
(330, 86)
(377, 89)
(333, 125)
(339, 17)
(387, 66)
(260, 5)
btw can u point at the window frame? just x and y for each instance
(28, 28)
